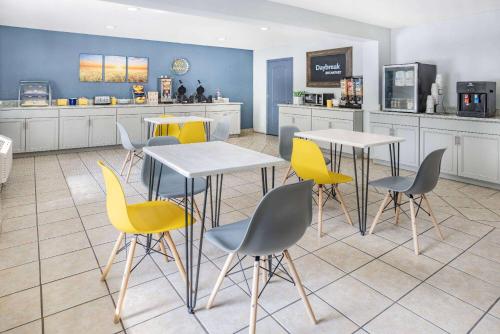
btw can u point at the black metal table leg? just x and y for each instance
(149, 131)
(357, 187)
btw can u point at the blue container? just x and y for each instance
(72, 101)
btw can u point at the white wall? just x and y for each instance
(360, 50)
(466, 49)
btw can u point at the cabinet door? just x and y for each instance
(42, 134)
(381, 152)
(319, 123)
(197, 113)
(102, 130)
(408, 154)
(302, 122)
(479, 157)
(285, 119)
(433, 139)
(133, 125)
(73, 132)
(144, 131)
(235, 122)
(14, 129)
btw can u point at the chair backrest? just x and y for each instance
(280, 220)
(126, 143)
(308, 162)
(146, 165)
(221, 132)
(428, 173)
(116, 204)
(286, 135)
(193, 132)
(167, 130)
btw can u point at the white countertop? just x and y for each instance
(350, 138)
(177, 120)
(495, 119)
(209, 158)
(309, 106)
(14, 107)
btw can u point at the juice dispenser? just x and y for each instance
(476, 99)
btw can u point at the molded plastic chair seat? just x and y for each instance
(155, 217)
(173, 185)
(336, 178)
(398, 184)
(138, 146)
(228, 237)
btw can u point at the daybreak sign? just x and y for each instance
(327, 67)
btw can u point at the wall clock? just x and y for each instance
(180, 66)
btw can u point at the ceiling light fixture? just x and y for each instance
(110, 27)
(264, 28)
(132, 9)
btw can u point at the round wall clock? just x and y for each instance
(180, 66)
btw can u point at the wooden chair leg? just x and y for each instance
(379, 212)
(255, 297)
(125, 162)
(300, 287)
(220, 279)
(112, 256)
(265, 273)
(126, 276)
(287, 174)
(132, 156)
(398, 207)
(175, 255)
(198, 213)
(414, 226)
(162, 246)
(433, 218)
(320, 210)
(342, 205)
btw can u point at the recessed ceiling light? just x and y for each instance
(132, 9)
(264, 28)
(222, 39)
(110, 27)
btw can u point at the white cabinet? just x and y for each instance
(197, 113)
(42, 134)
(234, 120)
(434, 139)
(102, 130)
(408, 153)
(381, 152)
(133, 126)
(302, 122)
(15, 129)
(73, 132)
(146, 126)
(479, 156)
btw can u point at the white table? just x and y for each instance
(205, 160)
(361, 141)
(177, 120)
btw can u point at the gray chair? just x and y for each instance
(133, 150)
(268, 231)
(415, 188)
(286, 135)
(172, 184)
(221, 132)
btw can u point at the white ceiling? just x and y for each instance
(396, 13)
(92, 17)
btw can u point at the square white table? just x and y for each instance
(205, 160)
(177, 120)
(360, 141)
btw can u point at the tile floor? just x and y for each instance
(56, 238)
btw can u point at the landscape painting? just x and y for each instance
(137, 69)
(115, 68)
(90, 67)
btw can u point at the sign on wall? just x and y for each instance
(326, 68)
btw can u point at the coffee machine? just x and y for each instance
(476, 99)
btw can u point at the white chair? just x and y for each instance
(134, 149)
(221, 132)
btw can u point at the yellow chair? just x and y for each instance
(192, 133)
(147, 218)
(309, 164)
(167, 130)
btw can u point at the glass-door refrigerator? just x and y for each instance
(406, 86)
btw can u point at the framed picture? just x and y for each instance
(137, 69)
(326, 68)
(115, 68)
(90, 68)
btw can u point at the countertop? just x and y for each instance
(15, 107)
(452, 116)
(318, 107)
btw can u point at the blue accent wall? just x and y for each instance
(30, 54)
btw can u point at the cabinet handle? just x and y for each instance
(457, 140)
(330, 125)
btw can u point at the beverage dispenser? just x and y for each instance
(476, 99)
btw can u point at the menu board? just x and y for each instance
(327, 67)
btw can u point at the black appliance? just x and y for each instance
(200, 97)
(314, 99)
(326, 97)
(181, 94)
(476, 99)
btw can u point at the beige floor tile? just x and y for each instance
(71, 291)
(479, 267)
(64, 244)
(392, 232)
(176, 321)
(19, 278)
(19, 211)
(34, 327)
(495, 310)
(18, 223)
(371, 244)
(479, 214)
(144, 272)
(454, 315)
(453, 237)
(338, 228)
(343, 256)
(68, 264)
(397, 319)
(266, 325)
(295, 319)
(19, 255)
(55, 204)
(92, 208)
(19, 308)
(60, 228)
(405, 259)
(96, 220)
(18, 238)
(316, 273)
(311, 242)
(486, 249)
(148, 300)
(467, 226)
(20, 200)
(57, 215)
(387, 280)
(102, 235)
(93, 317)
(487, 325)
(355, 300)
(435, 249)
